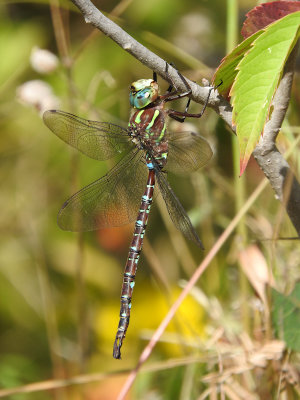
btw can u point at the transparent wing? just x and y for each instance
(188, 151)
(176, 211)
(112, 200)
(98, 140)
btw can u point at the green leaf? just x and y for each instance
(286, 317)
(259, 73)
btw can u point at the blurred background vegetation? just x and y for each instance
(59, 291)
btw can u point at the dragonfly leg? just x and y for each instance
(154, 76)
(171, 96)
(179, 115)
(170, 88)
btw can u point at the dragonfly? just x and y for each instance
(149, 151)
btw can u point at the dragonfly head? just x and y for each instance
(143, 92)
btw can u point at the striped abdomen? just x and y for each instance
(132, 261)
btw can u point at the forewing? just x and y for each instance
(187, 152)
(98, 140)
(112, 200)
(176, 211)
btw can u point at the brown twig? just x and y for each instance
(199, 93)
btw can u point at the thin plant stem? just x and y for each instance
(239, 182)
(61, 35)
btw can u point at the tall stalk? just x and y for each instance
(239, 182)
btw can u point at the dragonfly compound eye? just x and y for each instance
(143, 92)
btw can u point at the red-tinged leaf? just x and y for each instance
(257, 19)
(227, 71)
(258, 76)
(264, 14)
